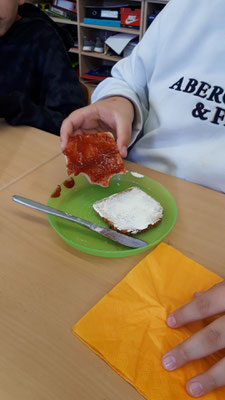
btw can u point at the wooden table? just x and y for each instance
(46, 286)
(22, 150)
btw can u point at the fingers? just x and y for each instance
(201, 344)
(208, 381)
(202, 306)
(205, 342)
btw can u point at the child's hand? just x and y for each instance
(205, 342)
(114, 114)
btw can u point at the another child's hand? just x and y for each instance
(114, 114)
(205, 342)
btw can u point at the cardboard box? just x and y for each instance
(130, 18)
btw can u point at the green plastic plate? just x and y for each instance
(78, 201)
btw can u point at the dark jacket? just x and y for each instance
(38, 86)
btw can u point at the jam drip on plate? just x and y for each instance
(57, 192)
(69, 183)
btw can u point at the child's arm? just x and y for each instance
(129, 85)
(205, 342)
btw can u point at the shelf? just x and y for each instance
(90, 60)
(100, 55)
(112, 28)
(158, 1)
(63, 20)
(74, 50)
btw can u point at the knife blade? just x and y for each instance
(107, 232)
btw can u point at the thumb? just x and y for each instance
(65, 132)
(124, 129)
(72, 124)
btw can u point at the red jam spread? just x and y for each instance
(94, 154)
(57, 191)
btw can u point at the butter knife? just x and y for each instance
(109, 233)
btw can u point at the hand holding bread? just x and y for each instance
(113, 114)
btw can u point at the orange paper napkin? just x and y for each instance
(127, 328)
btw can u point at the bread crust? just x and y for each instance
(126, 232)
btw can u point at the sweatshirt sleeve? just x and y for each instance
(59, 90)
(131, 76)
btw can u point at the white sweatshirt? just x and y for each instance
(175, 78)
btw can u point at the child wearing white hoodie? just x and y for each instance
(166, 101)
(165, 104)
